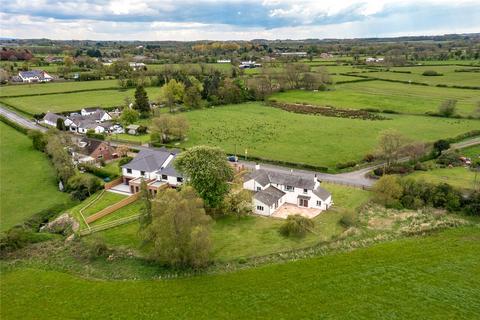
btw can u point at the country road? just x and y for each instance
(355, 178)
(15, 117)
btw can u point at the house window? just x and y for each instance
(289, 188)
(259, 188)
(164, 177)
(319, 203)
(260, 208)
(305, 190)
(129, 170)
(179, 179)
(142, 173)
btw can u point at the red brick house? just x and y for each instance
(90, 150)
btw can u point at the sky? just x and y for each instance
(186, 20)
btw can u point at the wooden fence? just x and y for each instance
(108, 225)
(113, 208)
(113, 183)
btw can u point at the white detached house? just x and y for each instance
(272, 189)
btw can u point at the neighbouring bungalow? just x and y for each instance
(34, 76)
(155, 166)
(50, 119)
(274, 189)
(91, 151)
(94, 119)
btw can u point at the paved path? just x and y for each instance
(15, 117)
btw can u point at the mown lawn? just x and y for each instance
(55, 87)
(75, 101)
(402, 98)
(432, 277)
(276, 134)
(104, 200)
(27, 179)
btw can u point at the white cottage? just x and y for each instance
(272, 189)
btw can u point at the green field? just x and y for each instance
(382, 95)
(28, 183)
(432, 277)
(75, 101)
(458, 177)
(276, 134)
(449, 77)
(250, 236)
(471, 152)
(55, 87)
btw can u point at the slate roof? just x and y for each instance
(148, 160)
(269, 196)
(170, 170)
(264, 177)
(52, 117)
(321, 193)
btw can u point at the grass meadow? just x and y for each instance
(459, 177)
(55, 87)
(449, 76)
(28, 183)
(402, 98)
(431, 277)
(75, 101)
(324, 141)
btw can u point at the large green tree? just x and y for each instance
(141, 101)
(179, 231)
(208, 171)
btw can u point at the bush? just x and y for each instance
(369, 157)
(349, 219)
(296, 226)
(97, 247)
(124, 160)
(93, 135)
(343, 165)
(431, 73)
(449, 158)
(18, 237)
(99, 172)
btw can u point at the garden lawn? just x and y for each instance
(64, 102)
(106, 199)
(323, 141)
(458, 177)
(250, 236)
(431, 277)
(55, 87)
(144, 138)
(382, 95)
(27, 179)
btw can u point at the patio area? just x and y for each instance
(121, 189)
(287, 209)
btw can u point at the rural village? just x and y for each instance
(240, 179)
